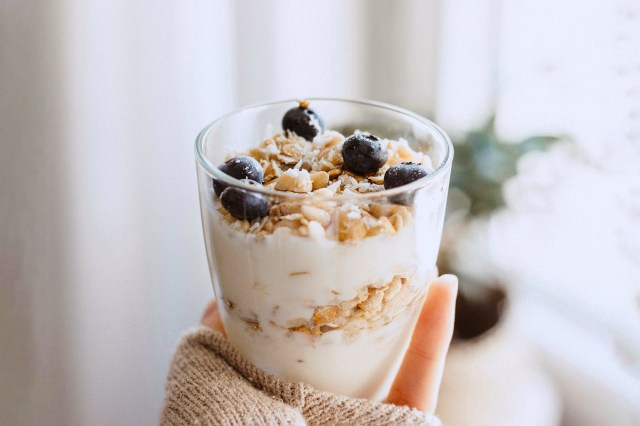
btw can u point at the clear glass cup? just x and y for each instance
(331, 307)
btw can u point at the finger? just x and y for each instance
(211, 317)
(418, 379)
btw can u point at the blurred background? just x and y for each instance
(102, 262)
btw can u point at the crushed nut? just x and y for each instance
(295, 181)
(352, 233)
(325, 314)
(378, 180)
(316, 230)
(382, 226)
(373, 303)
(319, 180)
(373, 307)
(334, 173)
(292, 151)
(315, 213)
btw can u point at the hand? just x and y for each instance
(418, 380)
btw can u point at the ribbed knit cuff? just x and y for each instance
(209, 383)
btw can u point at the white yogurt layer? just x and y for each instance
(271, 282)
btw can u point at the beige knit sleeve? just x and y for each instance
(209, 383)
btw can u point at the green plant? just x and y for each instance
(482, 164)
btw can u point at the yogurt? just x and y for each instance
(325, 292)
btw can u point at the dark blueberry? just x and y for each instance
(243, 204)
(303, 121)
(363, 153)
(403, 174)
(240, 168)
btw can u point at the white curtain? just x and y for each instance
(101, 254)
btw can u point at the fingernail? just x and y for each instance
(450, 280)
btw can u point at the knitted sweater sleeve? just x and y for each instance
(209, 383)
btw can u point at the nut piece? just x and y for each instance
(379, 209)
(352, 230)
(396, 221)
(382, 226)
(319, 179)
(315, 230)
(325, 314)
(317, 214)
(334, 173)
(292, 151)
(271, 171)
(379, 178)
(295, 181)
(393, 289)
(373, 304)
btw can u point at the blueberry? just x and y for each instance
(363, 153)
(403, 174)
(240, 168)
(303, 121)
(243, 204)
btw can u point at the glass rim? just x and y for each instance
(214, 172)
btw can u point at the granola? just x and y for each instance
(373, 307)
(315, 169)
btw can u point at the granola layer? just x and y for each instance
(372, 308)
(315, 169)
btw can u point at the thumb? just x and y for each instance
(418, 379)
